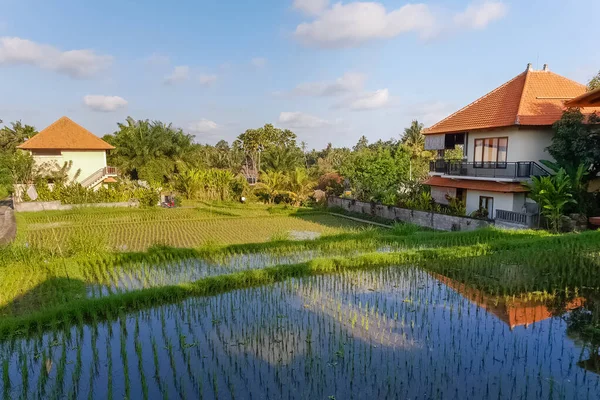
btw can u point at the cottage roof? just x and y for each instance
(65, 134)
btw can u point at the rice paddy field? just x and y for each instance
(236, 301)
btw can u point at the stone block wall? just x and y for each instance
(425, 219)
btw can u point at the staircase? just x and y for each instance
(98, 176)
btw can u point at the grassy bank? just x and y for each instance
(556, 265)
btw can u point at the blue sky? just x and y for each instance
(329, 71)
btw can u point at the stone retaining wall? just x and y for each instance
(425, 219)
(36, 206)
(8, 225)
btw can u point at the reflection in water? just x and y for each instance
(390, 333)
(512, 311)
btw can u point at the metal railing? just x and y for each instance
(98, 175)
(508, 170)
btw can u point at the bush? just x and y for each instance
(146, 197)
(332, 184)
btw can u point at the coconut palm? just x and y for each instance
(11, 137)
(300, 185)
(413, 137)
(272, 183)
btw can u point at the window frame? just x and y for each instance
(495, 163)
(489, 199)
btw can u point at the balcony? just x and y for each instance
(499, 170)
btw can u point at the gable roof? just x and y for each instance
(532, 98)
(65, 134)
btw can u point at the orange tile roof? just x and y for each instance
(65, 134)
(488, 186)
(588, 99)
(532, 98)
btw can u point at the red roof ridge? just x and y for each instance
(527, 72)
(477, 101)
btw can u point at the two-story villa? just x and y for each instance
(503, 135)
(67, 142)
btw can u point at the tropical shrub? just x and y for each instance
(331, 183)
(205, 184)
(553, 194)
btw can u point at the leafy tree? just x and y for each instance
(577, 141)
(256, 141)
(375, 174)
(594, 83)
(362, 144)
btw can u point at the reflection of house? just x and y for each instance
(67, 142)
(503, 136)
(514, 312)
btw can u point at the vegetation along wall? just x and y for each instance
(425, 219)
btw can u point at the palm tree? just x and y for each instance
(272, 182)
(413, 136)
(300, 185)
(12, 137)
(283, 159)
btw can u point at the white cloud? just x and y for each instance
(352, 24)
(370, 100)
(104, 103)
(347, 25)
(203, 126)
(348, 83)
(259, 62)
(179, 74)
(207, 80)
(74, 63)
(479, 15)
(299, 120)
(311, 7)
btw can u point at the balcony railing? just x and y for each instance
(506, 170)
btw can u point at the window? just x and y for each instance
(487, 203)
(46, 153)
(491, 152)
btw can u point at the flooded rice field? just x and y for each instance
(396, 332)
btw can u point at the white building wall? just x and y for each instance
(524, 144)
(439, 193)
(502, 201)
(88, 161)
(48, 161)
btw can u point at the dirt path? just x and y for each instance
(8, 224)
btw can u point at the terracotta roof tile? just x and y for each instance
(534, 98)
(65, 134)
(489, 186)
(588, 99)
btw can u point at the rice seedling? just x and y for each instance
(354, 313)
